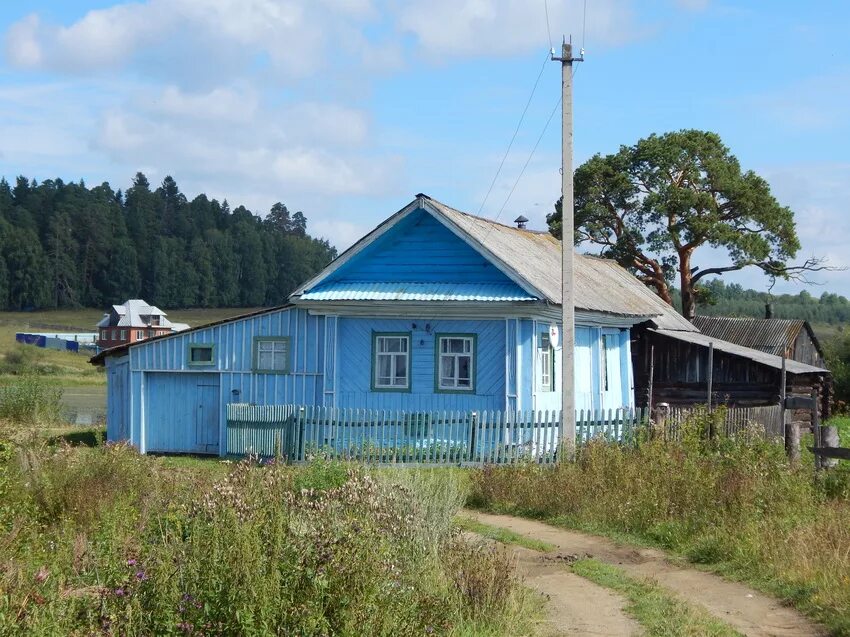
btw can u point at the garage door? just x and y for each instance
(182, 413)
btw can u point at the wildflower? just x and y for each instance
(119, 592)
(131, 562)
(141, 576)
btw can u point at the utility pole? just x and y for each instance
(568, 399)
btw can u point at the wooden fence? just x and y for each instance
(766, 421)
(297, 433)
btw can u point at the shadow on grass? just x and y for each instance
(87, 437)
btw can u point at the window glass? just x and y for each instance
(392, 361)
(200, 354)
(456, 365)
(604, 361)
(272, 355)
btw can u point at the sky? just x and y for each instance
(346, 109)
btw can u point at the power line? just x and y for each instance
(583, 26)
(548, 29)
(516, 132)
(528, 161)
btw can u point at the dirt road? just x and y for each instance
(582, 608)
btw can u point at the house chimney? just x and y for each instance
(768, 310)
(520, 222)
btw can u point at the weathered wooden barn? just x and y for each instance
(793, 338)
(672, 366)
(434, 310)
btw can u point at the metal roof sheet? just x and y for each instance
(601, 285)
(763, 358)
(390, 291)
(768, 335)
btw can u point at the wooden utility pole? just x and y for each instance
(568, 400)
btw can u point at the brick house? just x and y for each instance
(133, 321)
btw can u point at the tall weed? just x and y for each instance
(30, 400)
(107, 541)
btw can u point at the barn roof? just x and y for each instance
(530, 258)
(767, 335)
(763, 358)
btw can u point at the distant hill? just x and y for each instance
(720, 299)
(64, 245)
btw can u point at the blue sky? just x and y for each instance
(345, 109)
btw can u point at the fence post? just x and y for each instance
(816, 429)
(472, 437)
(711, 425)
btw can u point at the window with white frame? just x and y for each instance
(391, 362)
(123, 335)
(546, 362)
(271, 354)
(456, 362)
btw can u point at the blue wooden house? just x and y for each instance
(435, 309)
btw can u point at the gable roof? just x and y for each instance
(532, 260)
(767, 335)
(130, 315)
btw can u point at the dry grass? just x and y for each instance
(736, 507)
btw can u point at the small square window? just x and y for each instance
(271, 354)
(200, 354)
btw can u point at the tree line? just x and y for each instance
(66, 245)
(720, 299)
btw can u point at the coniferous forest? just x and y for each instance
(66, 245)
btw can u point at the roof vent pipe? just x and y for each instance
(520, 222)
(768, 310)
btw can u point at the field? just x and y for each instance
(83, 385)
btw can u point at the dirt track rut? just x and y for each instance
(747, 610)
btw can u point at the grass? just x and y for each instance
(100, 540)
(660, 612)
(733, 506)
(504, 536)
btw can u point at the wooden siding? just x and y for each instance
(354, 370)
(804, 349)
(118, 399)
(420, 248)
(182, 412)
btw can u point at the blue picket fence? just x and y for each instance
(297, 433)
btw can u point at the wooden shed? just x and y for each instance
(672, 366)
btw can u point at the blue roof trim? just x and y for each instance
(405, 291)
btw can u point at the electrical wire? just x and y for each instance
(583, 25)
(548, 28)
(528, 161)
(516, 132)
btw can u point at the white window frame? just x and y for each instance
(452, 384)
(380, 351)
(123, 335)
(546, 362)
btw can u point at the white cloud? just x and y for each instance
(295, 37)
(341, 234)
(445, 28)
(816, 103)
